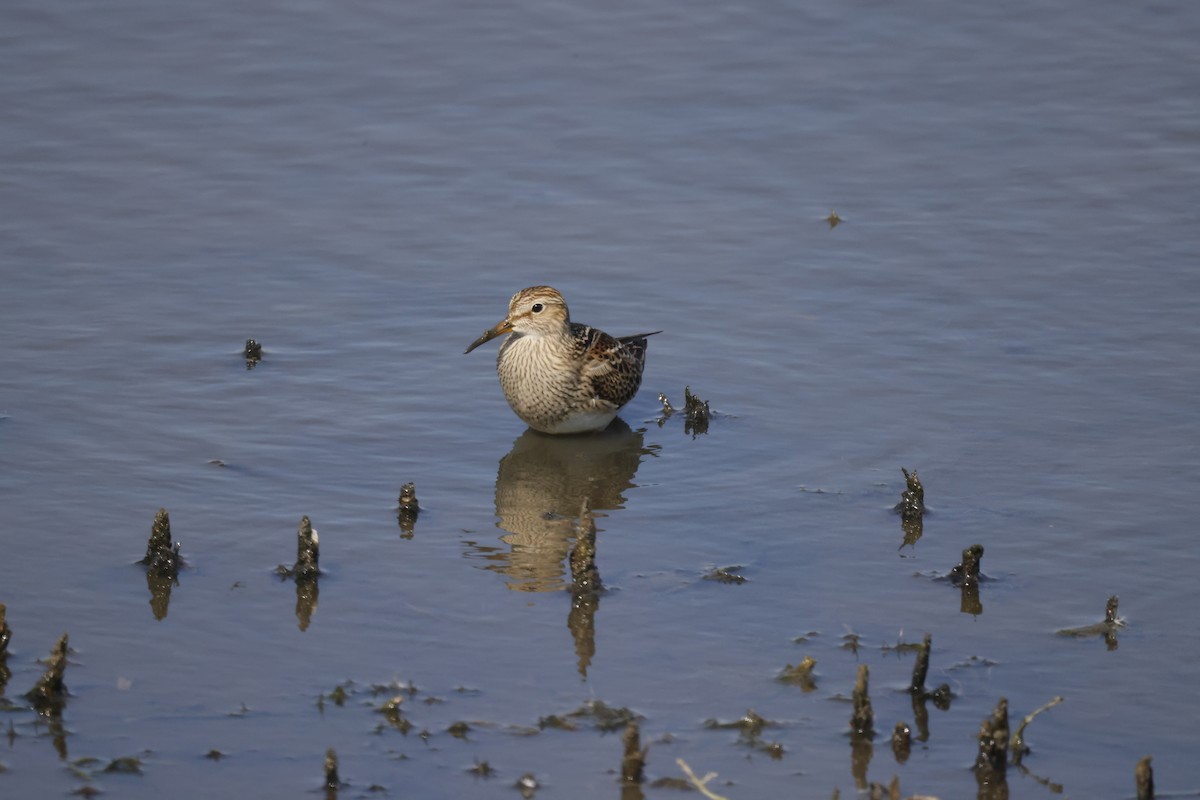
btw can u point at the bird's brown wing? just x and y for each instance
(614, 366)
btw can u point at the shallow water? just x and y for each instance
(1008, 306)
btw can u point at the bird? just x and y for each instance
(561, 376)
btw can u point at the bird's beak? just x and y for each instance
(502, 327)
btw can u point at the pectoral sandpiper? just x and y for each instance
(560, 376)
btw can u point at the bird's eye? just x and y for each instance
(537, 308)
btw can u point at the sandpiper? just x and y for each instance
(560, 376)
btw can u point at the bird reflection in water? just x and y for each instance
(540, 487)
(548, 491)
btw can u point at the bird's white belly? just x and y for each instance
(582, 422)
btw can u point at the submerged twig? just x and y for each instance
(701, 784)
(1016, 746)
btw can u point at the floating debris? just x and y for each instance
(863, 719)
(801, 674)
(252, 353)
(214, 755)
(49, 694)
(750, 727)
(633, 763)
(556, 722)
(1106, 628)
(459, 730)
(127, 765)
(833, 219)
(608, 719)
(481, 769)
(1144, 775)
(726, 574)
(912, 499)
(527, 784)
(391, 712)
(901, 742)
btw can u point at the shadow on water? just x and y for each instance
(540, 487)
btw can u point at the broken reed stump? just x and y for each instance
(308, 552)
(697, 414)
(5, 636)
(305, 571)
(49, 694)
(940, 695)
(992, 759)
(162, 554)
(252, 353)
(912, 499)
(877, 791)
(5, 631)
(863, 719)
(1144, 775)
(408, 499)
(331, 770)
(921, 666)
(967, 573)
(633, 763)
(901, 742)
(409, 508)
